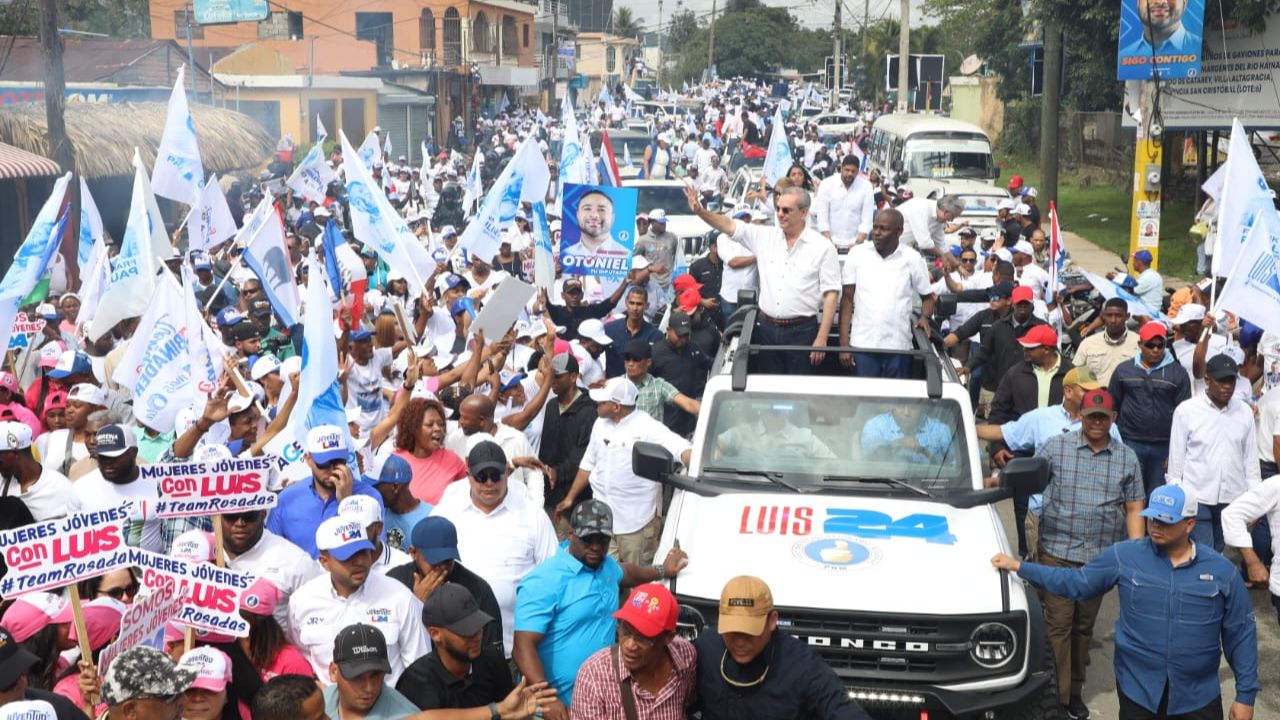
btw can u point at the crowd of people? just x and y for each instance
(463, 542)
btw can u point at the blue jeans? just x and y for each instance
(881, 365)
(1208, 529)
(727, 309)
(1151, 457)
(784, 363)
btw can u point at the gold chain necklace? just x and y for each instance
(735, 683)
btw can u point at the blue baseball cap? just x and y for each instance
(326, 443)
(229, 316)
(361, 334)
(436, 539)
(1169, 504)
(389, 469)
(368, 251)
(1143, 255)
(71, 362)
(342, 536)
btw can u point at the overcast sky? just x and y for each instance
(811, 13)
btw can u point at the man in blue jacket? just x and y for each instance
(1146, 392)
(1182, 605)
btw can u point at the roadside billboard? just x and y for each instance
(1160, 37)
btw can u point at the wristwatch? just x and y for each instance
(493, 712)
(662, 572)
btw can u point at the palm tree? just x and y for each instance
(624, 23)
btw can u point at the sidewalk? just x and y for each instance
(1085, 254)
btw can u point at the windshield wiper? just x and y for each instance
(884, 481)
(772, 475)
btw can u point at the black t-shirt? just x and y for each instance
(430, 686)
(475, 585)
(709, 275)
(62, 707)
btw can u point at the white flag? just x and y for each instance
(378, 225)
(210, 221)
(33, 258)
(1252, 290)
(369, 152)
(90, 225)
(157, 364)
(386, 148)
(588, 157)
(131, 283)
(1244, 193)
(525, 178)
(268, 257)
(321, 133)
(474, 188)
(312, 177)
(626, 155)
(93, 276)
(206, 350)
(778, 159)
(573, 164)
(254, 221)
(178, 170)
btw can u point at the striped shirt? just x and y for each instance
(653, 395)
(1084, 503)
(597, 693)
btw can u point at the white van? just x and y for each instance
(930, 154)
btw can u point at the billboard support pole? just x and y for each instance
(1148, 158)
(1049, 111)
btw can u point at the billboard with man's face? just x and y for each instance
(599, 228)
(1160, 38)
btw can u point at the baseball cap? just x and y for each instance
(639, 262)
(264, 366)
(47, 311)
(359, 649)
(1143, 255)
(619, 390)
(436, 539)
(14, 659)
(194, 546)
(261, 598)
(487, 455)
(229, 316)
(1221, 367)
(1015, 182)
(452, 607)
(658, 215)
(1023, 246)
(1022, 293)
(1004, 254)
(745, 604)
(1039, 336)
(1001, 290)
(29, 614)
(243, 331)
(1081, 377)
(71, 363)
(28, 710)
(142, 670)
(685, 282)
(1009, 204)
(389, 468)
(448, 231)
(1169, 504)
(211, 666)
(968, 232)
(201, 262)
(14, 436)
(50, 353)
(361, 507)
(326, 443)
(680, 323)
(101, 620)
(1096, 402)
(1189, 313)
(1152, 329)
(638, 349)
(448, 281)
(689, 300)
(1030, 193)
(564, 363)
(742, 211)
(361, 334)
(591, 517)
(593, 329)
(342, 536)
(115, 440)
(651, 609)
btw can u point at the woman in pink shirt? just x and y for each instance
(420, 441)
(266, 646)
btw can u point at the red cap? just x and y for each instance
(1039, 336)
(1022, 293)
(685, 282)
(651, 610)
(1152, 329)
(1097, 401)
(1015, 182)
(689, 300)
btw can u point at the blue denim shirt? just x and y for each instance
(299, 511)
(1174, 624)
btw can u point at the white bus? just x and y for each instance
(930, 154)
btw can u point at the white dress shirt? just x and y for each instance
(635, 500)
(514, 444)
(1185, 351)
(286, 565)
(1268, 427)
(734, 279)
(501, 546)
(845, 212)
(1213, 452)
(1262, 500)
(883, 292)
(792, 282)
(317, 614)
(921, 228)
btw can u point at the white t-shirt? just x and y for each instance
(364, 389)
(47, 498)
(52, 449)
(94, 492)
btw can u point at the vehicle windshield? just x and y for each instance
(940, 159)
(636, 145)
(840, 440)
(668, 197)
(982, 204)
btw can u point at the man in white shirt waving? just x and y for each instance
(844, 205)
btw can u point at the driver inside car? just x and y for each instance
(905, 433)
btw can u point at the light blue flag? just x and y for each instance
(1244, 194)
(267, 256)
(1252, 290)
(778, 159)
(90, 227)
(319, 395)
(178, 171)
(32, 258)
(544, 261)
(131, 283)
(1109, 289)
(573, 162)
(524, 179)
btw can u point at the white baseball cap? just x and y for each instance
(87, 393)
(593, 329)
(639, 262)
(1022, 209)
(193, 546)
(342, 536)
(326, 443)
(1188, 313)
(619, 390)
(1024, 247)
(28, 710)
(211, 666)
(264, 366)
(14, 436)
(657, 215)
(1030, 192)
(361, 507)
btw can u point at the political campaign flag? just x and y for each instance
(178, 170)
(474, 188)
(206, 350)
(626, 156)
(268, 257)
(131, 283)
(369, 152)
(778, 159)
(90, 226)
(608, 163)
(1109, 289)
(386, 148)
(593, 170)
(544, 261)
(1252, 290)
(93, 278)
(503, 103)
(1244, 193)
(525, 178)
(312, 176)
(330, 240)
(319, 395)
(33, 257)
(378, 225)
(321, 133)
(156, 366)
(1057, 253)
(573, 166)
(210, 221)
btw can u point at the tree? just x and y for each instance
(117, 18)
(683, 27)
(625, 24)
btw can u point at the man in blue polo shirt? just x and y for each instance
(564, 607)
(303, 505)
(1182, 605)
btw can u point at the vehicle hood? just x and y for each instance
(882, 554)
(686, 225)
(936, 187)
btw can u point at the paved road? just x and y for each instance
(1100, 688)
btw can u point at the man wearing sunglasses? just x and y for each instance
(1146, 391)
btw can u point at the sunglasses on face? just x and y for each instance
(119, 593)
(968, 260)
(489, 476)
(787, 210)
(1154, 345)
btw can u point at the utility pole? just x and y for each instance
(835, 59)
(711, 49)
(904, 57)
(1049, 111)
(61, 150)
(191, 61)
(660, 57)
(555, 51)
(862, 59)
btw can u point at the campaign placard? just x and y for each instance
(1160, 38)
(211, 595)
(599, 229)
(57, 553)
(142, 621)
(193, 489)
(24, 329)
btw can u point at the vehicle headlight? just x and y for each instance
(690, 623)
(993, 644)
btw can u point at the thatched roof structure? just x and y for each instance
(105, 134)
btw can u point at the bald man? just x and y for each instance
(476, 422)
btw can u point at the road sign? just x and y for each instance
(566, 51)
(214, 12)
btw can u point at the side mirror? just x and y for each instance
(946, 306)
(1026, 475)
(897, 165)
(995, 173)
(747, 297)
(651, 461)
